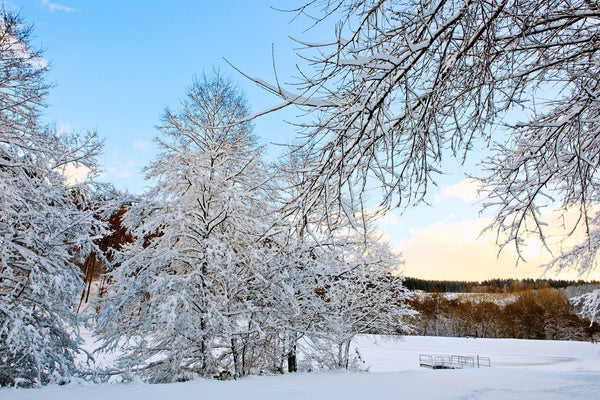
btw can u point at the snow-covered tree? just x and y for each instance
(337, 274)
(184, 297)
(404, 83)
(46, 226)
(355, 293)
(589, 304)
(318, 297)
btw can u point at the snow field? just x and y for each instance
(521, 369)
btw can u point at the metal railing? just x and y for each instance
(444, 361)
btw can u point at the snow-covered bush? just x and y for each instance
(356, 293)
(589, 304)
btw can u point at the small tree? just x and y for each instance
(358, 294)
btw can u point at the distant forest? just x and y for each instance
(489, 286)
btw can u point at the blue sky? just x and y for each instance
(116, 65)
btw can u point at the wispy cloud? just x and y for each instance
(63, 128)
(458, 251)
(20, 50)
(121, 170)
(141, 145)
(120, 166)
(466, 190)
(56, 6)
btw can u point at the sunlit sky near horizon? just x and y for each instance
(116, 65)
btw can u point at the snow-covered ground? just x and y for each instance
(520, 369)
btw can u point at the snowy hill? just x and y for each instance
(520, 369)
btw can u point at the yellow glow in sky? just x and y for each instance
(457, 250)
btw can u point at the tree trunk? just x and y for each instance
(292, 360)
(346, 354)
(234, 353)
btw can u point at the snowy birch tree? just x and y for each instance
(46, 226)
(184, 296)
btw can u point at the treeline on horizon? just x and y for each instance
(542, 314)
(490, 286)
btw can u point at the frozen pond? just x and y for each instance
(520, 369)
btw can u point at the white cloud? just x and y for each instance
(466, 190)
(458, 251)
(20, 50)
(141, 145)
(56, 6)
(121, 170)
